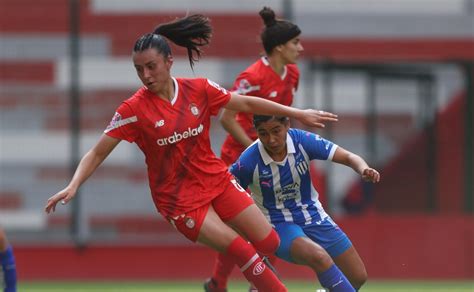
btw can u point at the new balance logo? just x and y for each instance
(159, 123)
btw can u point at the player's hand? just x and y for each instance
(64, 196)
(315, 118)
(371, 175)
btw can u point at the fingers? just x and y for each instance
(52, 202)
(371, 175)
(327, 115)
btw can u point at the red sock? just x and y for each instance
(251, 265)
(223, 267)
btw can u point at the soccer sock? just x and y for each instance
(7, 261)
(251, 265)
(223, 266)
(334, 280)
(269, 244)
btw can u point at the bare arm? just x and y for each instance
(229, 123)
(256, 105)
(89, 163)
(357, 163)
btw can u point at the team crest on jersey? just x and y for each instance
(194, 109)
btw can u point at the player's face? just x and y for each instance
(272, 134)
(291, 50)
(153, 69)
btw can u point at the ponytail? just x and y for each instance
(190, 32)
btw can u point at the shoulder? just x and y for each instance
(254, 71)
(301, 136)
(250, 156)
(134, 101)
(191, 82)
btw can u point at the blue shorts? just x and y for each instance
(327, 234)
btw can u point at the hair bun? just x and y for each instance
(268, 16)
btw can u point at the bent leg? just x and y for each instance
(352, 266)
(297, 248)
(218, 235)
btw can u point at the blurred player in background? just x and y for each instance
(7, 261)
(276, 170)
(275, 77)
(169, 119)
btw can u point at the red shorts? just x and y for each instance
(228, 204)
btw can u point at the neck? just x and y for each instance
(278, 156)
(167, 91)
(277, 64)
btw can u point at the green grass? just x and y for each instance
(235, 286)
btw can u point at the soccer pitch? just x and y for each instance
(237, 286)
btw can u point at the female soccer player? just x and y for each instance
(276, 170)
(169, 120)
(7, 264)
(275, 77)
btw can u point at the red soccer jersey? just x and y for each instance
(183, 172)
(262, 81)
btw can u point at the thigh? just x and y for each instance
(288, 233)
(251, 223)
(328, 235)
(215, 233)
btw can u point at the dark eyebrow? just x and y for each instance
(146, 64)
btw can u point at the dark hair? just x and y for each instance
(276, 31)
(258, 119)
(190, 32)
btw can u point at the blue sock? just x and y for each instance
(334, 280)
(7, 261)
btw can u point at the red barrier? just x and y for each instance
(393, 247)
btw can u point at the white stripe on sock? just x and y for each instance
(249, 263)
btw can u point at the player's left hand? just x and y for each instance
(371, 175)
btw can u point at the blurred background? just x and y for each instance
(399, 73)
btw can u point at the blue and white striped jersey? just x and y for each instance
(283, 190)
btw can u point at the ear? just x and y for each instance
(169, 62)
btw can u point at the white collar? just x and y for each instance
(176, 89)
(267, 159)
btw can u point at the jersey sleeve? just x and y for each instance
(246, 84)
(124, 124)
(241, 173)
(316, 146)
(217, 96)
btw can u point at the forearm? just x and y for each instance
(260, 106)
(357, 163)
(86, 167)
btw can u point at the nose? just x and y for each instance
(146, 73)
(300, 47)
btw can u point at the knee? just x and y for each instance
(318, 259)
(359, 279)
(269, 244)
